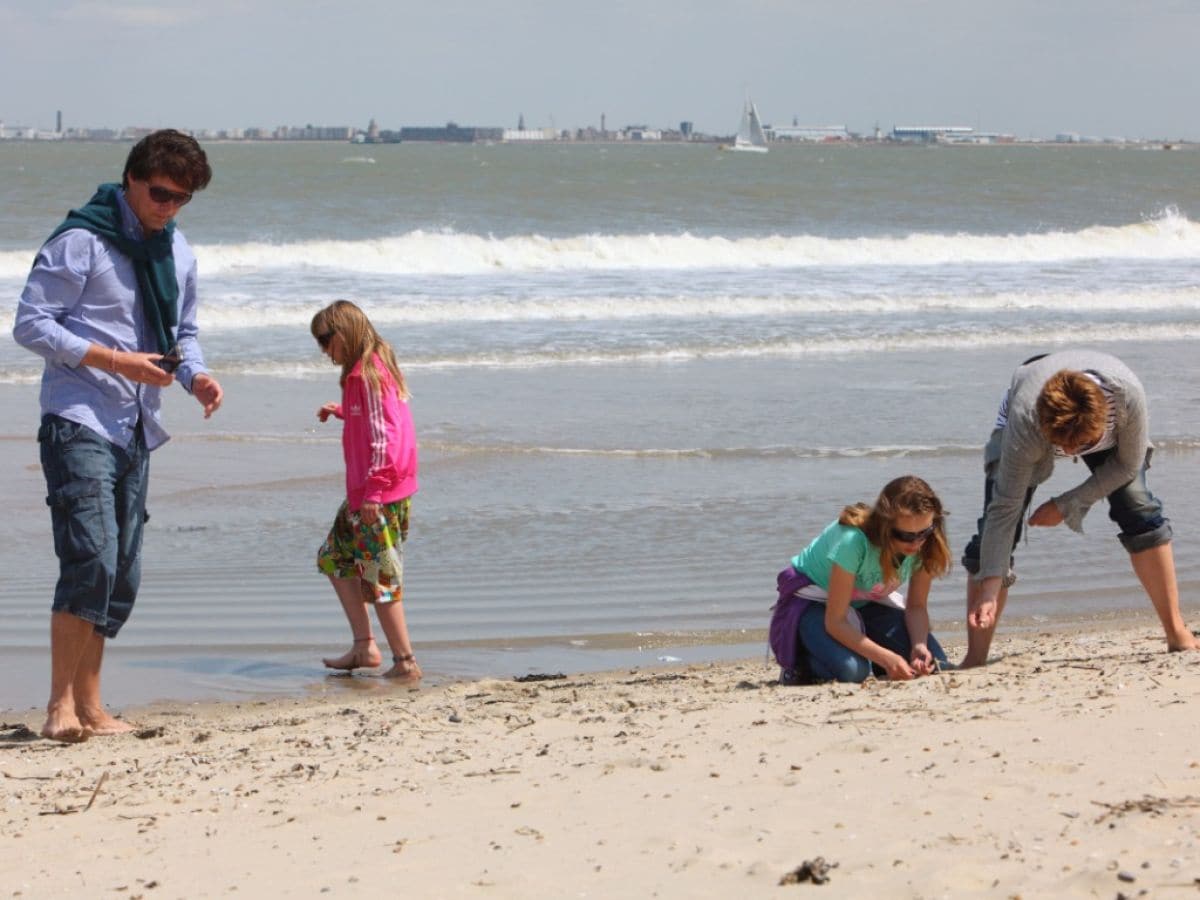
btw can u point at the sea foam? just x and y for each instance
(1170, 235)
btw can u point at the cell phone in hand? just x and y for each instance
(170, 360)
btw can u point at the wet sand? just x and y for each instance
(1069, 767)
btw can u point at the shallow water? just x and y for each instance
(643, 379)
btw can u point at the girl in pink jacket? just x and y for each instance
(364, 552)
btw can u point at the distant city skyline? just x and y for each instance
(1104, 68)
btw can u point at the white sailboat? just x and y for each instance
(750, 137)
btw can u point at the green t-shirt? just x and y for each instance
(849, 548)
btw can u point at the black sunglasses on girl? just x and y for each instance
(324, 339)
(912, 537)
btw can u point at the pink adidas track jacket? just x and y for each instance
(378, 440)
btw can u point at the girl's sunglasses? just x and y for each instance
(912, 537)
(324, 339)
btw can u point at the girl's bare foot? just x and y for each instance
(404, 669)
(363, 655)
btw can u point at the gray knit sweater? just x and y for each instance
(1024, 458)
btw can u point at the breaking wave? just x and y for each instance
(1170, 235)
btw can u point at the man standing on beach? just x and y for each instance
(1087, 405)
(111, 306)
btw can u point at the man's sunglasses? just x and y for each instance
(913, 537)
(162, 195)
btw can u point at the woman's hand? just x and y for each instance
(369, 513)
(922, 660)
(897, 669)
(329, 409)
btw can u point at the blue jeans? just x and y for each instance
(96, 492)
(971, 554)
(1136, 511)
(830, 660)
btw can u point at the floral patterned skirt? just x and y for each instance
(374, 553)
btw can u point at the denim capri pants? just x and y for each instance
(1136, 511)
(96, 492)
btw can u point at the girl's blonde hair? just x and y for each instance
(361, 342)
(907, 495)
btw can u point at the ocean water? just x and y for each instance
(643, 377)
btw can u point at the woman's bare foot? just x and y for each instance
(404, 670)
(363, 655)
(99, 722)
(65, 727)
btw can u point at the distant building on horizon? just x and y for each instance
(314, 133)
(26, 133)
(520, 135)
(948, 134)
(643, 133)
(808, 133)
(450, 134)
(929, 134)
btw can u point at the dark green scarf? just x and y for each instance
(153, 260)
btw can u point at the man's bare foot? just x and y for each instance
(363, 655)
(404, 670)
(99, 722)
(64, 727)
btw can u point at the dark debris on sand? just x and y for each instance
(17, 733)
(814, 870)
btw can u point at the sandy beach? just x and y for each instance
(1069, 767)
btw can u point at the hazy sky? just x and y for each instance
(1029, 67)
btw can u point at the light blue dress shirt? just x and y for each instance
(81, 291)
